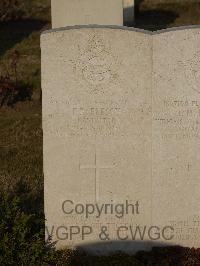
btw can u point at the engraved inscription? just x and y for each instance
(93, 121)
(188, 229)
(85, 121)
(180, 119)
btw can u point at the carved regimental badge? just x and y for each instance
(192, 71)
(96, 64)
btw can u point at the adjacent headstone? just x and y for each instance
(129, 12)
(86, 12)
(121, 122)
(176, 133)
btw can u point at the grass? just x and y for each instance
(20, 126)
(21, 144)
(156, 15)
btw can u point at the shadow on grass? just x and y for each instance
(155, 19)
(160, 255)
(13, 32)
(126, 246)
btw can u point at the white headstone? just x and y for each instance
(121, 121)
(86, 12)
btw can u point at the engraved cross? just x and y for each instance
(97, 167)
